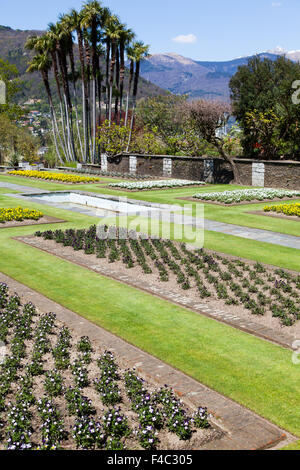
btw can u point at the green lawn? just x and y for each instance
(257, 374)
(235, 214)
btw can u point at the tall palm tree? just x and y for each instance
(44, 44)
(60, 39)
(113, 29)
(126, 37)
(74, 20)
(140, 52)
(49, 44)
(42, 63)
(131, 56)
(92, 17)
(67, 25)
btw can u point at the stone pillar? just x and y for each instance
(258, 174)
(132, 165)
(209, 167)
(104, 165)
(167, 169)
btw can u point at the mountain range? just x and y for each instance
(199, 79)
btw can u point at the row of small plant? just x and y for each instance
(109, 174)
(31, 419)
(286, 209)
(244, 195)
(159, 184)
(51, 176)
(256, 288)
(18, 214)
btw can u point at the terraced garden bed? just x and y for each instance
(272, 295)
(18, 217)
(246, 196)
(156, 184)
(285, 209)
(18, 214)
(59, 391)
(57, 177)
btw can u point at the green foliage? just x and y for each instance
(264, 127)
(16, 141)
(147, 141)
(9, 75)
(264, 88)
(163, 113)
(113, 138)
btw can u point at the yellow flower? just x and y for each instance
(49, 176)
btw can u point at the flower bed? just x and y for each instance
(160, 184)
(49, 176)
(18, 214)
(57, 392)
(286, 209)
(235, 197)
(255, 288)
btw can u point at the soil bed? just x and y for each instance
(118, 188)
(42, 221)
(295, 218)
(133, 275)
(243, 203)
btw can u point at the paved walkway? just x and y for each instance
(244, 430)
(266, 236)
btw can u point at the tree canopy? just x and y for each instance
(264, 88)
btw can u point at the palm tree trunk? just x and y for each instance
(84, 90)
(117, 83)
(135, 90)
(112, 76)
(122, 76)
(53, 115)
(107, 75)
(131, 72)
(72, 62)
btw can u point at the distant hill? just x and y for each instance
(208, 80)
(12, 48)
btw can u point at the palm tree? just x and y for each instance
(131, 57)
(60, 39)
(92, 18)
(42, 63)
(113, 29)
(49, 44)
(140, 52)
(67, 24)
(74, 20)
(126, 37)
(44, 44)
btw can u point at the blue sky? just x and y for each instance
(200, 29)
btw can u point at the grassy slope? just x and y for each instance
(251, 371)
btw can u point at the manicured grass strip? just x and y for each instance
(234, 214)
(294, 446)
(287, 258)
(8, 191)
(253, 372)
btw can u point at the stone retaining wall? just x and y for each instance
(275, 174)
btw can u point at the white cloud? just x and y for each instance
(185, 39)
(276, 4)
